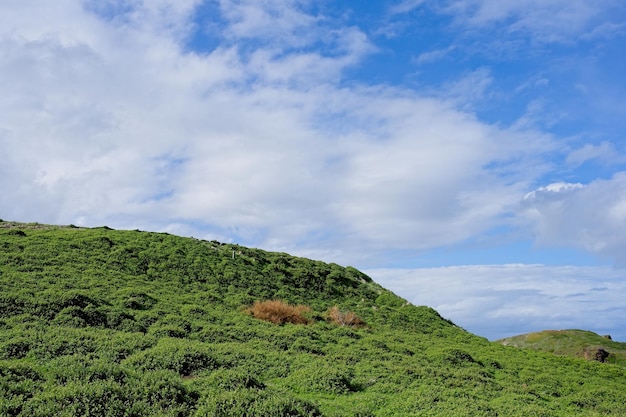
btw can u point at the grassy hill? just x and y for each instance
(575, 343)
(98, 322)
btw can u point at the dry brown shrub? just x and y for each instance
(344, 318)
(279, 312)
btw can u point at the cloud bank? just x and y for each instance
(497, 301)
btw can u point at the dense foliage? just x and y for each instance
(97, 322)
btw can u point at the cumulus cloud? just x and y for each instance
(117, 123)
(497, 301)
(285, 21)
(590, 217)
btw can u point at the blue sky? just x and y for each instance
(467, 154)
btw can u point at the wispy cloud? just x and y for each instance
(434, 55)
(405, 6)
(545, 20)
(469, 90)
(604, 152)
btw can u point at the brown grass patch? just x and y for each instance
(279, 312)
(344, 318)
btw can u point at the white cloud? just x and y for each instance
(269, 146)
(603, 152)
(545, 20)
(540, 113)
(497, 301)
(111, 121)
(283, 21)
(434, 55)
(534, 82)
(590, 217)
(606, 30)
(469, 90)
(406, 6)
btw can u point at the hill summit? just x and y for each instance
(112, 323)
(575, 343)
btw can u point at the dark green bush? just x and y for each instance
(77, 368)
(98, 399)
(76, 316)
(323, 378)
(457, 357)
(65, 341)
(15, 349)
(139, 301)
(163, 391)
(182, 356)
(233, 379)
(254, 403)
(387, 298)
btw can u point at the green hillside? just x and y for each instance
(575, 343)
(98, 322)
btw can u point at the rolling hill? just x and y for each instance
(100, 322)
(575, 343)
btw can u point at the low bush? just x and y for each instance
(233, 379)
(101, 398)
(324, 378)
(279, 312)
(255, 402)
(14, 349)
(182, 356)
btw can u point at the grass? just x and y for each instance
(112, 323)
(574, 343)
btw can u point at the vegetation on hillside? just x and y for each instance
(98, 322)
(575, 343)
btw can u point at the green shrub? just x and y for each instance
(75, 316)
(389, 299)
(15, 349)
(57, 342)
(162, 391)
(182, 356)
(18, 382)
(322, 378)
(77, 368)
(139, 301)
(456, 357)
(101, 398)
(254, 403)
(233, 379)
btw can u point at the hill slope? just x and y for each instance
(574, 343)
(126, 323)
